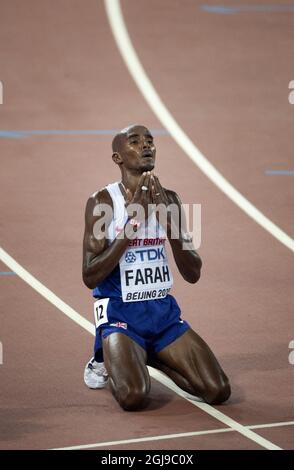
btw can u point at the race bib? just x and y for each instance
(100, 312)
(145, 273)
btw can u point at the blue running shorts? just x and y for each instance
(153, 324)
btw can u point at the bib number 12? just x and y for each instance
(100, 312)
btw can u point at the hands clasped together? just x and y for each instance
(148, 195)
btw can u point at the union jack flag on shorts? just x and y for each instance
(120, 324)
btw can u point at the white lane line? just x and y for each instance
(215, 413)
(45, 292)
(146, 439)
(172, 436)
(160, 377)
(271, 425)
(147, 89)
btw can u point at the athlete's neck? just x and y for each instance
(130, 182)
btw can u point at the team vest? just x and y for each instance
(143, 272)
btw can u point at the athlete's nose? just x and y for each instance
(146, 144)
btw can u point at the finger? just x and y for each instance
(146, 199)
(145, 192)
(160, 188)
(149, 183)
(140, 184)
(162, 192)
(152, 189)
(158, 192)
(151, 201)
(156, 188)
(145, 181)
(150, 186)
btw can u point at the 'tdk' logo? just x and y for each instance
(130, 257)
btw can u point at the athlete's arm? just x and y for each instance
(99, 257)
(187, 260)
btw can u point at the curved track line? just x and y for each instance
(162, 378)
(126, 48)
(45, 292)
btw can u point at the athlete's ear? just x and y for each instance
(116, 157)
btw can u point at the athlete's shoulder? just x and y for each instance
(100, 196)
(172, 196)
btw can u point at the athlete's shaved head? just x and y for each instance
(122, 135)
(117, 141)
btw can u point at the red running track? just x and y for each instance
(225, 79)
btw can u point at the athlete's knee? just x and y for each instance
(132, 398)
(135, 400)
(218, 393)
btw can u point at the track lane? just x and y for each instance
(32, 229)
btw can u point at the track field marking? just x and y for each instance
(45, 292)
(270, 8)
(271, 425)
(280, 172)
(14, 134)
(215, 413)
(146, 439)
(130, 57)
(172, 436)
(160, 377)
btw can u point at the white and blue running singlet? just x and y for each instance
(143, 272)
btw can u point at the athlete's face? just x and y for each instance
(137, 149)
